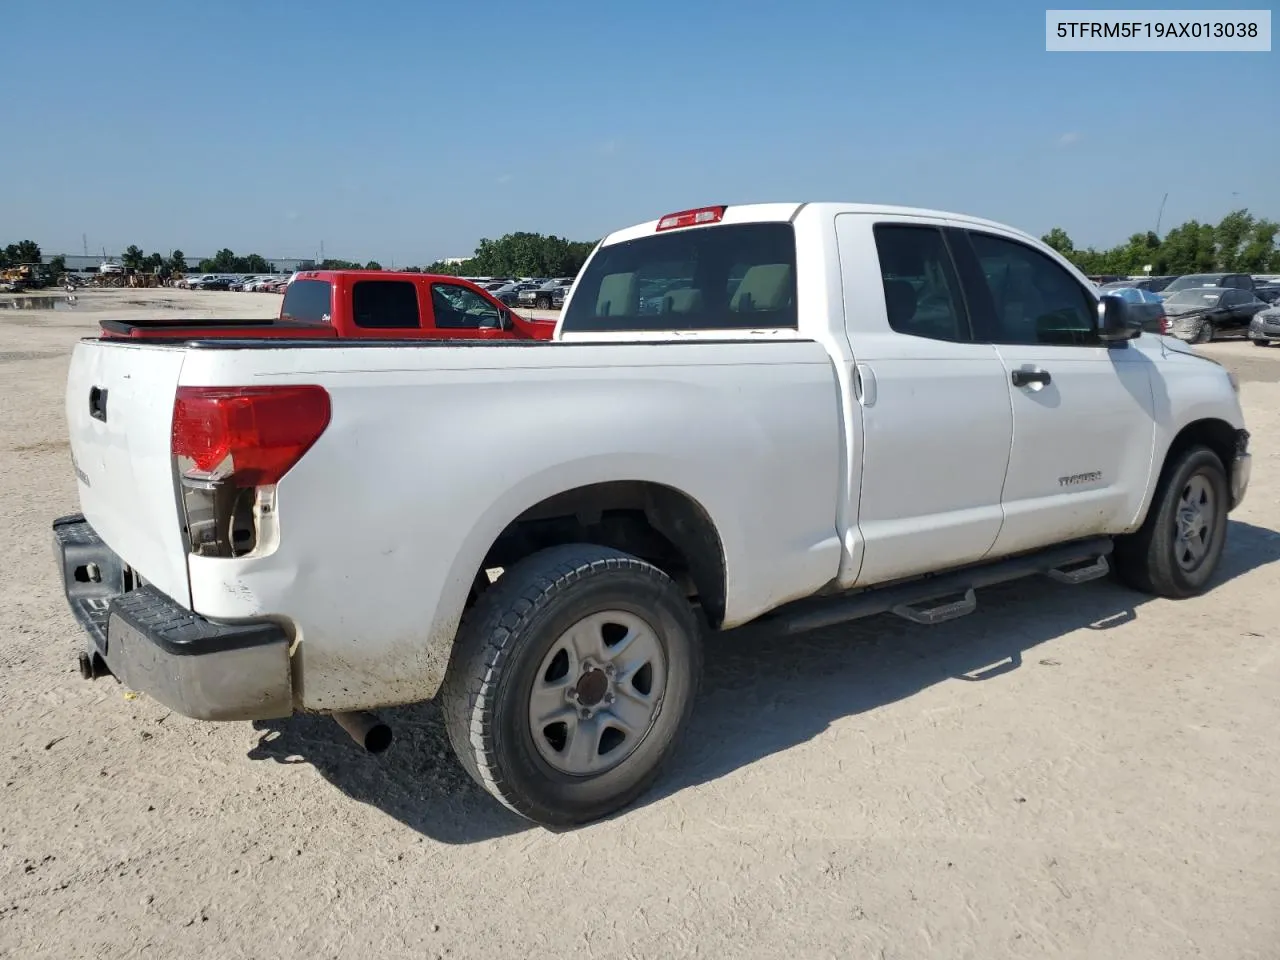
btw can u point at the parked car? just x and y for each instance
(1239, 281)
(1144, 305)
(1268, 292)
(211, 283)
(1198, 314)
(548, 295)
(359, 305)
(1265, 326)
(336, 527)
(1152, 284)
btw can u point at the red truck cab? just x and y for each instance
(364, 305)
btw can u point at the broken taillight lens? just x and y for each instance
(230, 446)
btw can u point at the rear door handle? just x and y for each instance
(98, 403)
(1024, 378)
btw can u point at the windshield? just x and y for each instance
(1197, 297)
(731, 277)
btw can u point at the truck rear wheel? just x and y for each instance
(1177, 548)
(570, 682)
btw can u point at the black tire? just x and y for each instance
(495, 661)
(543, 303)
(1204, 332)
(1259, 342)
(1147, 559)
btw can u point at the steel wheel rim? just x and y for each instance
(597, 693)
(1194, 522)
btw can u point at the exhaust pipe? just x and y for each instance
(365, 729)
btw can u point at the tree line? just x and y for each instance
(1239, 243)
(520, 254)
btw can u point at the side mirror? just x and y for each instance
(1116, 320)
(501, 320)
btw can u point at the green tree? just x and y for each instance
(1058, 239)
(1230, 236)
(24, 251)
(522, 254)
(373, 265)
(133, 258)
(178, 262)
(56, 267)
(1259, 254)
(1187, 248)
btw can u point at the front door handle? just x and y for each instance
(1024, 378)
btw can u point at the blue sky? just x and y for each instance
(408, 133)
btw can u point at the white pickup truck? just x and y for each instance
(810, 412)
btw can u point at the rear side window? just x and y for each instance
(385, 304)
(734, 277)
(307, 301)
(921, 287)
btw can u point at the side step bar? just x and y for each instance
(946, 596)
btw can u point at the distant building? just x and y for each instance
(454, 261)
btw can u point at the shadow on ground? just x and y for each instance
(761, 694)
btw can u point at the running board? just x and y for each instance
(918, 600)
(1083, 572)
(939, 614)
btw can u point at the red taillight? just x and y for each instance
(691, 218)
(250, 436)
(1164, 323)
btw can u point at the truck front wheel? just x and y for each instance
(570, 682)
(1177, 548)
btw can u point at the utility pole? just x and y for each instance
(84, 240)
(1160, 215)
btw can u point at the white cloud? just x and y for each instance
(1068, 138)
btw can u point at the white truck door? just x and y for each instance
(1083, 421)
(936, 421)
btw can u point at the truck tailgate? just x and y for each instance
(119, 407)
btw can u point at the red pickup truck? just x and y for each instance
(364, 305)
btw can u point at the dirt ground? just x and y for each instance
(1069, 772)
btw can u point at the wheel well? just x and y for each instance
(656, 523)
(1218, 435)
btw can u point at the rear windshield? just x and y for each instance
(734, 277)
(307, 301)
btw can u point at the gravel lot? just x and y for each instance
(1070, 772)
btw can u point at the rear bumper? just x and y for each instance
(1241, 468)
(205, 670)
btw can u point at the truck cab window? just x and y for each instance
(385, 304)
(457, 308)
(1033, 299)
(921, 289)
